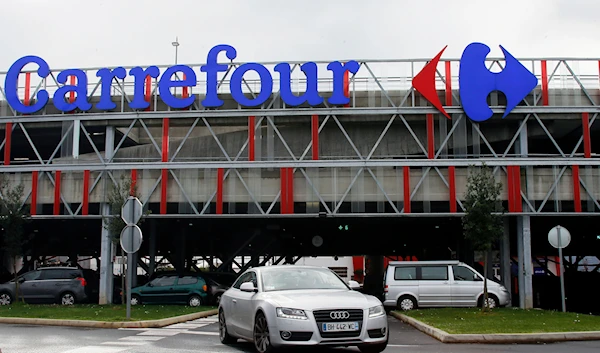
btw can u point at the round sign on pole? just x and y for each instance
(131, 238)
(553, 237)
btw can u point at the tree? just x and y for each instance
(482, 222)
(117, 196)
(13, 216)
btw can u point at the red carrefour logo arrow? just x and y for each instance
(424, 83)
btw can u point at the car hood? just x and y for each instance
(320, 299)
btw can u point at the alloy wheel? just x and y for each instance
(261, 334)
(68, 299)
(5, 299)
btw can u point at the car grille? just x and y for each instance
(322, 316)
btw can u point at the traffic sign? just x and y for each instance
(132, 210)
(559, 237)
(131, 238)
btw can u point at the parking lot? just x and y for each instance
(202, 336)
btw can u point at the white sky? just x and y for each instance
(89, 33)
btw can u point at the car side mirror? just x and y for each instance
(21, 280)
(248, 287)
(354, 285)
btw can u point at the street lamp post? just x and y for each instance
(176, 45)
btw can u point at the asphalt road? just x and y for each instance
(202, 336)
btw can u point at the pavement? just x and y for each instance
(201, 335)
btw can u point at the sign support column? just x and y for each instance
(524, 239)
(106, 248)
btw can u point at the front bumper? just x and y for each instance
(307, 332)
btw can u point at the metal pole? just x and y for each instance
(562, 279)
(129, 277)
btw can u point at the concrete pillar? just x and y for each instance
(106, 248)
(524, 239)
(505, 268)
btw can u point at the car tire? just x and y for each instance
(5, 298)
(136, 300)
(224, 336)
(194, 301)
(67, 298)
(406, 303)
(260, 334)
(494, 302)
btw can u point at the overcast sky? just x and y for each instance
(89, 33)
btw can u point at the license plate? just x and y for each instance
(340, 326)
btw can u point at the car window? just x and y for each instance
(59, 274)
(243, 278)
(405, 273)
(164, 281)
(187, 280)
(462, 273)
(439, 273)
(31, 276)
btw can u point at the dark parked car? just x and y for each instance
(64, 285)
(190, 289)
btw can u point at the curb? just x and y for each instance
(502, 338)
(107, 324)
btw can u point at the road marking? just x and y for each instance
(141, 338)
(125, 343)
(96, 349)
(201, 333)
(160, 333)
(403, 345)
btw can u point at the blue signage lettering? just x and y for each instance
(167, 81)
(12, 78)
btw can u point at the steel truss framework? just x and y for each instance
(568, 92)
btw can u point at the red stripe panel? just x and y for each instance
(34, 187)
(184, 92)
(7, 142)
(406, 189)
(576, 189)
(163, 191)
(148, 91)
(587, 142)
(26, 99)
(251, 142)
(314, 126)
(57, 193)
(165, 140)
(220, 174)
(290, 190)
(72, 93)
(133, 182)
(284, 198)
(346, 87)
(430, 137)
(86, 192)
(544, 83)
(448, 84)
(452, 182)
(511, 196)
(517, 189)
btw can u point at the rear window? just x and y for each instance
(405, 273)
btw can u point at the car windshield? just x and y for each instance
(300, 278)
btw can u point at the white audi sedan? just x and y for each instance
(282, 306)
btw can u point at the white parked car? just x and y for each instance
(282, 306)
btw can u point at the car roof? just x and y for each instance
(408, 263)
(277, 267)
(58, 268)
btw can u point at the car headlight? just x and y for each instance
(289, 313)
(376, 311)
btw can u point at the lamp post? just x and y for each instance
(176, 45)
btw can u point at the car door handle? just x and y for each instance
(234, 301)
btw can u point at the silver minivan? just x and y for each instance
(412, 284)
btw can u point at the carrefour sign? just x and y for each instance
(165, 83)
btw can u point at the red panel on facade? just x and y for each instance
(544, 83)
(7, 143)
(57, 193)
(165, 140)
(284, 197)
(163, 191)
(133, 182)
(406, 189)
(185, 92)
(452, 186)
(72, 93)
(220, 174)
(448, 84)
(314, 126)
(148, 91)
(251, 146)
(290, 190)
(587, 143)
(346, 87)
(34, 187)
(86, 192)
(509, 179)
(430, 137)
(26, 99)
(576, 189)
(514, 189)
